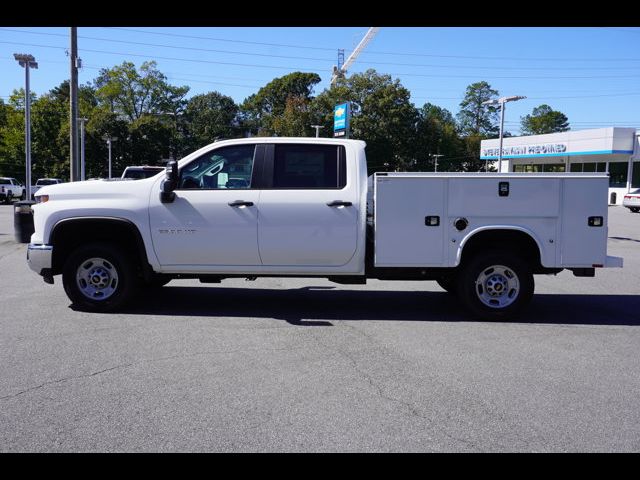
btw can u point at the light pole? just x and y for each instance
(82, 164)
(501, 101)
(109, 141)
(317, 127)
(27, 61)
(436, 157)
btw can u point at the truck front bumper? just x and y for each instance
(39, 258)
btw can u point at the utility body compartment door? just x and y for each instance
(410, 221)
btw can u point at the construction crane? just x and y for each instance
(339, 71)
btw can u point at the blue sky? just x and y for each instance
(591, 74)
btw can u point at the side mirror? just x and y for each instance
(170, 183)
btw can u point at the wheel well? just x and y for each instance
(513, 241)
(67, 235)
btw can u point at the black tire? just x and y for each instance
(24, 195)
(449, 284)
(113, 266)
(495, 285)
(634, 209)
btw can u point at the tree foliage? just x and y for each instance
(132, 93)
(261, 109)
(381, 114)
(474, 117)
(543, 120)
(150, 120)
(210, 116)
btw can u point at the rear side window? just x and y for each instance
(309, 166)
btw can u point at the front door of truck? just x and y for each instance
(213, 221)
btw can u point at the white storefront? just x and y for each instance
(614, 150)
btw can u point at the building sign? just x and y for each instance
(542, 149)
(341, 120)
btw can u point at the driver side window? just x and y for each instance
(223, 168)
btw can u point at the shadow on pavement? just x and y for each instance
(317, 306)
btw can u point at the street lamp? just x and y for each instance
(27, 61)
(109, 141)
(501, 101)
(435, 164)
(317, 127)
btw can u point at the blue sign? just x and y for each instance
(341, 117)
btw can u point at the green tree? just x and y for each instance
(210, 116)
(543, 120)
(295, 121)
(437, 135)
(132, 93)
(475, 118)
(381, 114)
(259, 111)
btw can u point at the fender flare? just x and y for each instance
(132, 227)
(485, 228)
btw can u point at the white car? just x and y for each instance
(140, 172)
(632, 201)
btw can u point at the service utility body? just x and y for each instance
(305, 207)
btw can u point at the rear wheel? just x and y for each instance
(496, 285)
(99, 278)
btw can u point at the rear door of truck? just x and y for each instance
(309, 205)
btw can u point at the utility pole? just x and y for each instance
(73, 124)
(317, 127)
(82, 163)
(27, 61)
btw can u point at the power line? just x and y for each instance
(374, 52)
(408, 74)
(324, 60)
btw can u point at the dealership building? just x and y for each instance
(614, 150)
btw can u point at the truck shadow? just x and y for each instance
(318, 306)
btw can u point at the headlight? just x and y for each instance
(42, 198)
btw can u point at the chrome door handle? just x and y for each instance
(240, 203)
(339, 203)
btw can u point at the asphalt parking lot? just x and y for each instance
(308, 365)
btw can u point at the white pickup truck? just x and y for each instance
(304, 207)
(11, 189)
(42, 182)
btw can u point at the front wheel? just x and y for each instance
(496, 286)
(99, 278)
(634, 209)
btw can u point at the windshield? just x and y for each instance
(47, 182)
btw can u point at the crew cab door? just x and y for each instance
(213, 220)
(309, 207)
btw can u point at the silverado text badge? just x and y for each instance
(176, 230)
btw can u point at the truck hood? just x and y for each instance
(92, 189)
